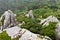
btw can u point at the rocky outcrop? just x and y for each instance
(30, 14)
(21, 23)
(24, 34)
(57, 31)
(9, 24)
(8, 19)
(46, 38)
(27, 35)
(49, 19)
(13, 31)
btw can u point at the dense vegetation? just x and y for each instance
(49, 30)
(35, 28)
(34, 24)
(5, 36)
(27, 4)
(41, 9)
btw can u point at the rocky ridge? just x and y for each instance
(45, 22)
(12, 28)
(8, 19)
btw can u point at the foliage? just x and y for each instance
(4, 36)
(2, 20)
(28, 4)
(49, 30)
(32, 25)
(15, 39)
(43, 11)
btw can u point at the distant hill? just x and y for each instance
(27, 4)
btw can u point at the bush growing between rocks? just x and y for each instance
(15, 39)
(49, 30)
(2, 21)
(32, 25)
(4, 36)
(35, 27)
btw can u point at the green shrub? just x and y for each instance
(32, 25)
(15, 39)
(4, 36)
(48, 30)
(2, 21)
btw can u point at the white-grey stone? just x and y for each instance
(27, 35)
(46, 38)
(30, 14)
(57, 31)
(49, 19)
(13, 31)
(9, 19)
(24, 34)
(21, 23)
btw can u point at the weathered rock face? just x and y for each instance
(8, 19)
(24, 34)
(21, 23)
(57, 31)
(27, 35)
(49, 19)
(46, 38)
(13, 31)
(9, 22)
(30, 14)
